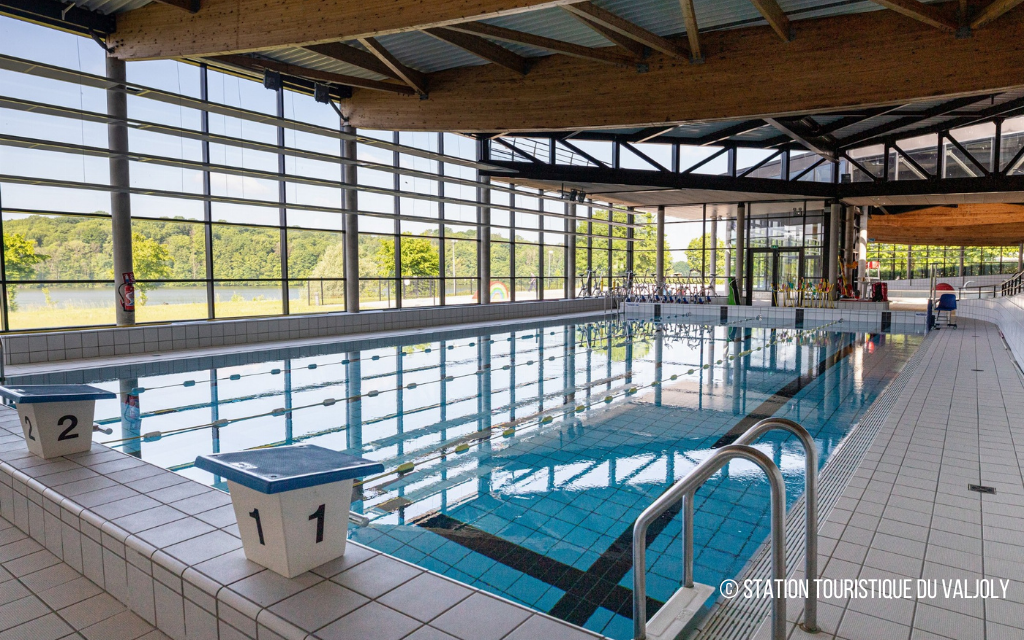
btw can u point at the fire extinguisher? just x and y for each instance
(126, 291)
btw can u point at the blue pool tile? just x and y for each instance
(598, 620)
(474, 564)
(528, 589)
(450, 553)
(618, 627)
(550, 598)
(501, 576)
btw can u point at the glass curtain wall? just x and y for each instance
(236, 214)
(900, 261)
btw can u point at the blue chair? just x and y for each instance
(947, 303)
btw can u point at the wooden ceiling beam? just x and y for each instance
(495, 32)
(353, 56)
(482, 48)
(192, 6)
(609, 20)
(994, 9)
(261, 64)
(239, 26)
(411, 77)
(874, 59)
(692, 32)
(632, 46)
(926, 13)
(776, 17)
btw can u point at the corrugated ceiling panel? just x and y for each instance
(426, 53)
(310, 60)
(111, 6)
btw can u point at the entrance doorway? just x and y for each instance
(769, 269)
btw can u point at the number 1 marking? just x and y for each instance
(29, 423)
(255, 513)
(318, 515)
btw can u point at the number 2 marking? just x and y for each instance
(29, 423)
(255, 513)
(66, 434)
(318, 515)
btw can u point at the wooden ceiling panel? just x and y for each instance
(964, 225)
(233, 26)
(883, 60)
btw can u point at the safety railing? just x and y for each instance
(751, 436)
(683, 491)
(1009, 287)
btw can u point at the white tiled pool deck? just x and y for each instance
(167, 549)
(42, 598)
(908, 513)
(157, 549)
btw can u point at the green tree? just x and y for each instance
(645, 246)
(420, 257)
(151, 261)
(330, 265)
(696, 256)
(20, 260)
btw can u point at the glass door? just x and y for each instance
(770, 271)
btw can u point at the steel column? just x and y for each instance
(484, 248)
(120, 201)
(741, 238)
(570, 252)
(833, 243)
(659, 245)
(862, 251)
(349, 202)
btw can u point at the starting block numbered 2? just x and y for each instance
(56, 419)
(291, 503)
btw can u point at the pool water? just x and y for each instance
(517, 460)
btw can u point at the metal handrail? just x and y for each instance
(684, 490)
(1009, 287)
(810, 623)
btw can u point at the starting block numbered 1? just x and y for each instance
(56, 419)
(291, 503)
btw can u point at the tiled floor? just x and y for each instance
(193, 580)
(41, 598)
(908, 513)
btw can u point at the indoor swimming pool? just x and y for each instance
(516, 460)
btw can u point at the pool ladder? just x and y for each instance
(688, 599)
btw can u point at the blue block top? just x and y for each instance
(280, 469)
(37, 393)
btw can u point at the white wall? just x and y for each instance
(1006, 313)
(922, 284)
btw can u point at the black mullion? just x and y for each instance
(282, 195)
(396, 159)
(6, 326)
(442, 279)
(512, 242)
(211, 308)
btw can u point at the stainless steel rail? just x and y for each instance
(810, 623)
(684, 490)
